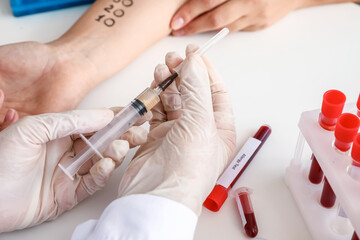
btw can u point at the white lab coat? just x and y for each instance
(140, 217)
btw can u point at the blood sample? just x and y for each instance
(355, 155)
(355, 236)
(331, 108)
(355, 166)
(238, 165)
(315, 174)
(327, 196)
(345, 131)
(242, 197)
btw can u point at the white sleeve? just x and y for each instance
(140, 217)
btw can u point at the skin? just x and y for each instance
(11, 115)
(54, 77)
(197, 16)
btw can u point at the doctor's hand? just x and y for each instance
(196, 16)
(191, 138)
(33, 188)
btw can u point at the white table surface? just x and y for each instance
(273, 75)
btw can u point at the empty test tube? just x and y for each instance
(331, 108)
(242, 197)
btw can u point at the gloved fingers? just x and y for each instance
(97, 178)
(117, 151)
(43, 128)
(11, 116)
(191, 48)
(135, 136)
(159, 114)
(194, 87)
(170, 98)
(223, 112)
(172, 60)
(221, 100)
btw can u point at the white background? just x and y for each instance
(273, 75)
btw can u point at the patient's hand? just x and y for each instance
(38, 78)
(11, 115)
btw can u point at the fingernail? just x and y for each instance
(177, 23)
(9, 116)
(178, 32)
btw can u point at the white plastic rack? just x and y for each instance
(335, 167)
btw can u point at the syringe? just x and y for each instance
(128, 116)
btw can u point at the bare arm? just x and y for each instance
(54, 77)
(113, 32)
(310, 3)
(196, 16)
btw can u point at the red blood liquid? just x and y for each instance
(251, 228)
(355, 237)
(315, 174)
(328, 196)
(262, 134)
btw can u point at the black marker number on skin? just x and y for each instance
(108, 9)
(127, 3)
(119, 13)
(112, 14)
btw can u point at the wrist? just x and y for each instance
(72, 57)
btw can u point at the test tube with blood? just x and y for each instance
(355, 167)
(355, 236)
(331, 108)
(346, 129)
(242, 197)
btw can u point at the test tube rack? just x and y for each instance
(335, 167)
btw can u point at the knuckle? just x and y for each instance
(208, 3)
(215, 20)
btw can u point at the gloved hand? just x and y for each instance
(33, 188)
(191, 138)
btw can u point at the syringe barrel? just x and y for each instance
(126, 118)
(122, 121)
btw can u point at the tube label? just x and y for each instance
(239, 162)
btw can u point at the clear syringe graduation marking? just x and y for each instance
(128, 116)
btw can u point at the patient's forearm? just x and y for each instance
(113, 32)
(309, 3)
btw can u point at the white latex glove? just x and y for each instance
(33, 189)
(191, 138)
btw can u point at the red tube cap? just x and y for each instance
(355, 151)
(333, 103)
(216, 198)
(346, 129)
(358, 103)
